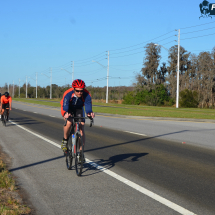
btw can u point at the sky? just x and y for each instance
(44, 38)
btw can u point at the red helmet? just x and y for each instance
(78, 83)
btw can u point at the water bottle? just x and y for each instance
(73, 142)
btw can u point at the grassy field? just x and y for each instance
(137, 110)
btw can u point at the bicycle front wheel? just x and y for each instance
(4, 118)
(68, 154)
(79, 155)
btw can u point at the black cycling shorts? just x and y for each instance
(4, 106)
(77, 113)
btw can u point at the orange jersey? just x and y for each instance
(5, 100)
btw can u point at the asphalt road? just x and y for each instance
(192, 132)
(181, 173)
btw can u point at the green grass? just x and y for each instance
(139, 110)
(8, 204)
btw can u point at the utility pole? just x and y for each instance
(19, 88)
(177, 93)
(107, 79)
(51, 84)
(26, 88)
(36, 85)
(13, 89)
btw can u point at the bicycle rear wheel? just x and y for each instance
(78, 155)
(68, 154)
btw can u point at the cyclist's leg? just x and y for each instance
(66, 129)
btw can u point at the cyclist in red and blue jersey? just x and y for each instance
(72, 103)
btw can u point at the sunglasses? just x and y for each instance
(79, 91)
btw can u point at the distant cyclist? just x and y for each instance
(72, 104)
(6, 103)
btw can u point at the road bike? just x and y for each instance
(74, 144)
(4, 117)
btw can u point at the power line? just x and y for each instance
(141, 43)
(127, 64)
(198, 30)
(127, 51)
(98, 58)
(168, 42)
(122, 69)
(140, 47)
(165, 39)
(197, 36)
(129, 54)
(89, 57)
(198, 25)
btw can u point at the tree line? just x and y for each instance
(99, 93)
(156, 83)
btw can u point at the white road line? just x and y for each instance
(135, 133)
(135, 186)
(34, 112)
(51, 116)
(41, 137)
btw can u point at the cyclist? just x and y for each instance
(72, 104)
(6, 103)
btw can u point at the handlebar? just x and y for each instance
(88, 117)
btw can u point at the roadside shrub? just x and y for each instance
(140, 97)
(129, 98)
(157, 96)
(188, 99)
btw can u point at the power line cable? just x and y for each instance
(129, 54)
(89, 57)
(98, 58)
(127, 64)
(197, 31)
(136, 52)
(123, 69)
(198, 36)
(198, 25)
(141, 43)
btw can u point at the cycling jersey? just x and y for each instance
(71, 101)
(5, 100)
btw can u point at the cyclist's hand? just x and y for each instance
(91, 114)
(66, 115)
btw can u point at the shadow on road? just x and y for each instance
(23, 121)
(37, 163)
(111, 162)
